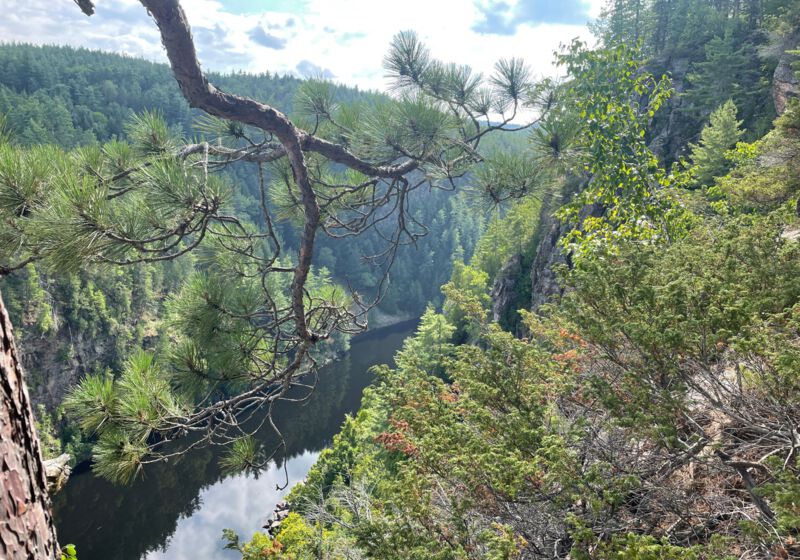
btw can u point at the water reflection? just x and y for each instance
(238, 503)
(177, 510)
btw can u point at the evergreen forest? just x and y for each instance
(602, 268)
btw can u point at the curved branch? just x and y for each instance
(176, 37)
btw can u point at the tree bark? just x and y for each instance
(26, 523)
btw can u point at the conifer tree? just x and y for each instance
(245, 325)
(26, 522)
(726, 73)
(247, 322)
(719, 135)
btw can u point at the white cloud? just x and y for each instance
(346, 38)
(241, 502)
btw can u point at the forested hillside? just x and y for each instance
(71, 97)
(607, 364)
(647, 408)
(91, 320)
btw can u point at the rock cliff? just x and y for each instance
(785, 84)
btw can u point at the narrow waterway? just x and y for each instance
(177, 510)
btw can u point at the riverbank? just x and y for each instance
(378, 319)
(177, 510)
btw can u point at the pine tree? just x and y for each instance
(26, 528)
(726, 73)
(719, 135)
(246, 323)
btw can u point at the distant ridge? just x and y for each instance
(74, 96)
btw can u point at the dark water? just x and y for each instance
(177, 510)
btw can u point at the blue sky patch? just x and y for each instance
(500, 18)
(260, 6)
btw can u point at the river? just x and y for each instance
(177, 510)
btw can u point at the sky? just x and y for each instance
(343, 40)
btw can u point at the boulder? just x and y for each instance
(57, 472)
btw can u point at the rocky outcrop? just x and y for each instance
(379, 319)
(57, 472)
(673, 128)
(505, 293)
(56, 362)
(544, 282)
(549, 254)
(785, 84)
(273, 524)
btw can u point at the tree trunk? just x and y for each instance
(26, 523)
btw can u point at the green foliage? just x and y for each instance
(510, 175)
(466, 283)
(241, 455)
(710, 154)
(45, 430)
(638, 396)
(656, 308)
(68, 552)
(261, 547)
(432, 342)
(716, 50)
(65, 210)
(375, 482)
(124, 413)
(784, 495)
(616, 99)
(149, 134)
(5, 133)
(298, 537)
(70, 97)
(727, 72)
(94, 402)
(637, 547)
(631, 407)
(102, 112)
(765, 176)
(95, 205)
(117, 458)
(507, 235)
(435, 454)
(554, 139)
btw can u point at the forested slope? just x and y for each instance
(91, 320)
(612, 369)
(648, 409)
(71, 97)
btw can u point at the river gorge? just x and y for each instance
(177, 511)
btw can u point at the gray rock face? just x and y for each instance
(506, 294)
(58, 361)
(273, 524)
(675, 129)
(549, 254)
(57, 472)
(544, 282)
(504, 290)
(785, 84)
